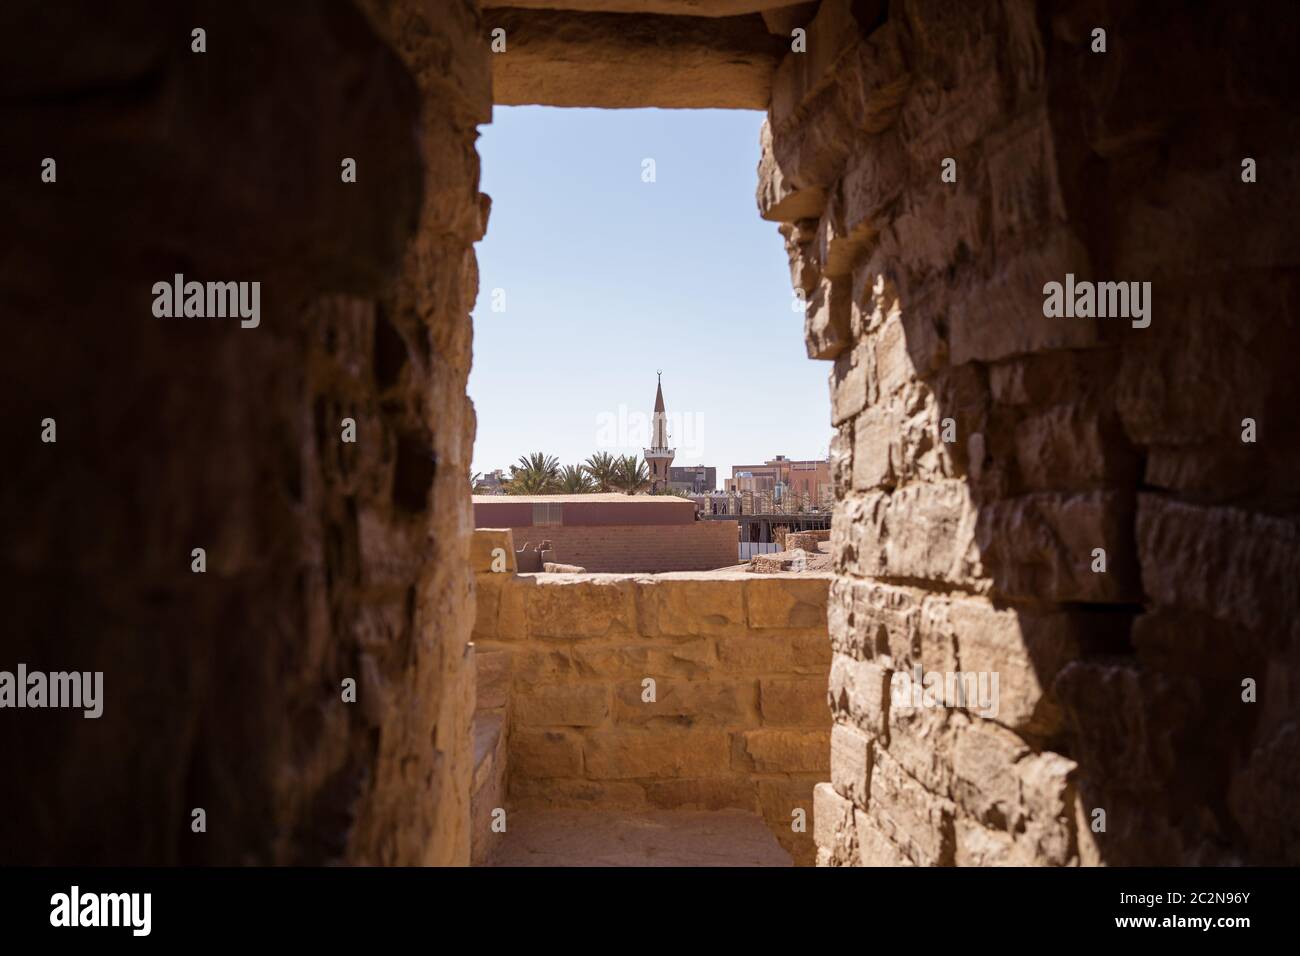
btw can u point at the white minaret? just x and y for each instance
(660, 456)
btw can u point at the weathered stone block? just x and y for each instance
(1040, 546)
(1233, 565)
(684, 703)
(489, 547)
(688, 659)
(794, 702)
(874, 848)
(680, 607)
(851, 764)
(826, 327)
(492, 678)
(787, 601)
(833, 826)
(563, 705)
(920, 531)
(632, 754)
(579, 607)
(852, 383)
(918, 822)
(545, 753)
(1025, 649)
(859, 693)
(783, 751)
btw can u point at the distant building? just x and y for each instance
(694, 479)
(614, 532)
(791, 485)
(493, 483)
(659, 456)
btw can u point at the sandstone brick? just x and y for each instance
(689, 659)
(812, 148)
(826, 320)
(778, 199)
(684, 703)
(876, 449)
(859, 693)
(783, 751)
(873, 180)
(677, 607)
(635, 754)
(1040, 546)
(918, 822)
(545, 753)
(874, 848)
(794, 702)
(920, 531)
(831, 35)
(921, 743)
(1071, 446)
(793, 602)
(1228, 563)
(570, 608)
(1128, 724)
(563, 705)
(810, 653)
(512, 614)
(852, 382)
(492, 669)
(754, 653)
(804, 271)
(851, 764)
(1025, 649)
(487, 606)
(999, 317)
(983, 755)
(482, 545)
(778, 801)
(833, 826)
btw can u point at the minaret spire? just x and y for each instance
(659, 456)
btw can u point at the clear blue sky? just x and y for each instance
(607, 278)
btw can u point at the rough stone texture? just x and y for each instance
(983, 452)
(563, 58)
(739, 717)
(223, 689)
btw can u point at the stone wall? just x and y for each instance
(324, 561)
(1121, 690)
(739, 716)
(699, 546)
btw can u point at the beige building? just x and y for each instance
(791, 484)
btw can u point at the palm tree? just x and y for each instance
(631, 475)
(536, 474)
(574, 480)
(601, 466)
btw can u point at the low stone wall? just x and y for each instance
(736, 715)
(648, 548)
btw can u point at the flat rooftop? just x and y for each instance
(517, 511)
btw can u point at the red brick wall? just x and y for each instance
(699, 546)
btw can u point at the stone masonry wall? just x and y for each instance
(740, 666)
(325, 560)
(701, 546)
(1121, 691)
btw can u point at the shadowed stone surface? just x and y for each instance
(660, 838)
